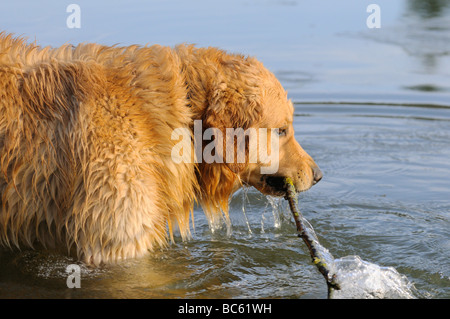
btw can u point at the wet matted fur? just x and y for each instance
(85, 143)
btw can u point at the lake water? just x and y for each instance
(372, 107)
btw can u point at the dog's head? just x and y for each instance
(249, 124)
(252, 110)
(286, 158)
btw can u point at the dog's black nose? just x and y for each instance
(317, 175)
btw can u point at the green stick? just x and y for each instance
(291, 196)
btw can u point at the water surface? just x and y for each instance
(372, 106)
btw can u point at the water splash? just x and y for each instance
(360, 279)
(278, 209)
(348, 277)
(357, 278)
(48, 265)
(244, 211)
(364, 280)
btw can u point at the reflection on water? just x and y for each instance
(427, 88)
(430, 25)
(427, 9)
(428, 34)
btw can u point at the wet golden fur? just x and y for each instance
(85, 142)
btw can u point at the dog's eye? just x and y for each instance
(282, 131)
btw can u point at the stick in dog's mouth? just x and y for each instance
(277, 183)
(291, 197)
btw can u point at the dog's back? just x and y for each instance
(85, 146)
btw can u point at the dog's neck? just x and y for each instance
(200, 74)
(201, 69)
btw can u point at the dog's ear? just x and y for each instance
(231, 107)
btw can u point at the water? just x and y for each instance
(372, 106)
(350, 277)
(364, 280)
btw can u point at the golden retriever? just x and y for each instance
(86, 143)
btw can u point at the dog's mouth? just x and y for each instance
(274, 184)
